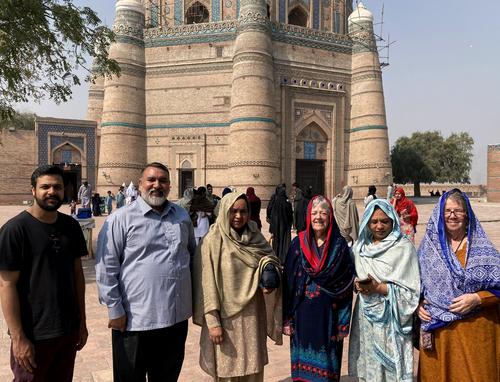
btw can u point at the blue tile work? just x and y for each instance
(154, 13)
(43, 143)
(309, 150)
(57, 140)
(237, 9)
(282, 11)
(178, 12)
(316, 14)
(216, 10)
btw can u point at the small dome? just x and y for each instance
(360, 14)
(130, 5)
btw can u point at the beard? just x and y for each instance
(154, 201)
(42, 203)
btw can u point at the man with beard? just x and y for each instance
(42, 287)
(143, 275)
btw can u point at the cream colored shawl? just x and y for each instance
(346, 215)
(227, 269)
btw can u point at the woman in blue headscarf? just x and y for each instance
(460, 336)
(388, 283)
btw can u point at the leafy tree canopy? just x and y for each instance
(428, 157)
(43, 43)
(21, 121)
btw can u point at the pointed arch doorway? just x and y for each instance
(186, 177)
(310, 158)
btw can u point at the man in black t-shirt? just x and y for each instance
(42, 287)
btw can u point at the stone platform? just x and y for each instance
(93, 363)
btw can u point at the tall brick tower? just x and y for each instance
(252, 103)
(123, 128)
(493, 187)
(369, 161)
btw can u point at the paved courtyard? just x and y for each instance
(93, 363)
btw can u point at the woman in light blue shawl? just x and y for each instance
(388, 282)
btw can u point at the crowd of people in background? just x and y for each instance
(323, 275)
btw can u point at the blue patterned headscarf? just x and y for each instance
(362, 245)
(443, 277)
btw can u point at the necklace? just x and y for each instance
(459, 244)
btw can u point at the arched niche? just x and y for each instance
(298, 16)
(197, 13)
(186, 164)
(66, 153)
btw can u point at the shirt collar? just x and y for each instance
(146, 208)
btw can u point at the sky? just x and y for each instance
(442, 74)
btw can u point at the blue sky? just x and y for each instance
(443, 72)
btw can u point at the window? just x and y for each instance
(298, 16)
(197, 14)
(66, 156)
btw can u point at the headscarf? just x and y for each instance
(227, 269)
(404, 204)
(327, 267)
(187, 198)
(225, 191)
(377, 259)
(281, 213)
(333, 274)
(251, 197)
(443, 277)
(346, 214)
(392, 261)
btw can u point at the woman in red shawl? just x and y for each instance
(407, 212)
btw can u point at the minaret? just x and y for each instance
(252, 104)
(369, 161)
(123, 126)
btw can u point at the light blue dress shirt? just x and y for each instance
(143, 265)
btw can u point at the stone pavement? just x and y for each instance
(93, 363)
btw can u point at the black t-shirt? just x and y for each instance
(44, 254)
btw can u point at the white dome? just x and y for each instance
(360, 14)
(130, 5)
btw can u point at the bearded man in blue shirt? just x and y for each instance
(143, 275)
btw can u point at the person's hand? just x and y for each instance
(216, 335)
(465, 303)
(267, 290)
(370, 287)
(422, 312)
(83, 334)
(24, 353)
(119, 323)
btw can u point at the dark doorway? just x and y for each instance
(72, 178)
(309, 172)
(186, 179)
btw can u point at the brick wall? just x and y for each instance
(17, 162)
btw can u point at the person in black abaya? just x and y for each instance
(280, 224)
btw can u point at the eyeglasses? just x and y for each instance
(458, 213)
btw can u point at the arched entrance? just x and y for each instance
(186, 177)
(69, 157)
(310, 154)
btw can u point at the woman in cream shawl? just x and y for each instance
(388, 282)
(346, 215)
(235, 312)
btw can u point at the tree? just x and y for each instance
(43, 43)
(20, 121)
(428, 157)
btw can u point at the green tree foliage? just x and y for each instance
(426, 157)
(19, 121)
(43, 43)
